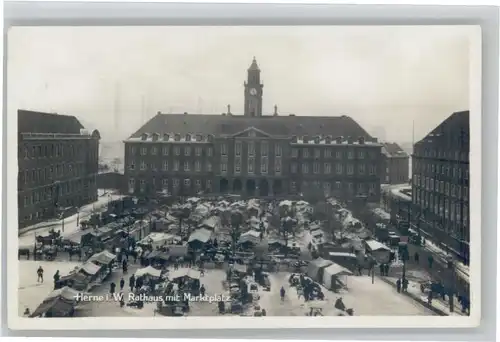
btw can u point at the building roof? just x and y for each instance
(283, 126)
(393, 150)
(39, 122)
(453, 131)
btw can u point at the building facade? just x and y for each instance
(57, 165)
(440, 184)
(253, 154)
(395, 164)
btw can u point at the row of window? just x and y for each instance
(460, 172)
(328, 153)
(264, 151)
(50, 172)
(175, 166)
(455, 211)
(442, 154)
(52, 151)
(176, 183)
(46, 194)
(177, 150)
(264, 167)
(448, 189)
(361, 188)
(339, 168)
(69, 202)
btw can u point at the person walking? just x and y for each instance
(39, 273)
(416, 257)
(112, 288)
(398, 285)
(282, 293)
(122, 284)
(131, 282)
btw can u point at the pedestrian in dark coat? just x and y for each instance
(39, 274)
(112, 288)
(398, 285)
(131, 282)
(416, 257)
(122, 284)
(382, 269)
(386, 270)
(405, 285)
(430, 260)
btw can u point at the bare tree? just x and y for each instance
(236, 221)
(182, 213)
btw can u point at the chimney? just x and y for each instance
(305, 139)
(338, 140)
(275, 110)
(361, 140)
(229, 109)
(185, 113)
(158, 113)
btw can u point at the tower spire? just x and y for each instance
(254, 66)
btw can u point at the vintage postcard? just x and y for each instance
(241, 177)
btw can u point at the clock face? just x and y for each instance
(253, 91)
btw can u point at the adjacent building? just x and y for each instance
(440, 183)
(253, 154)
(58, 162)
(395, 164)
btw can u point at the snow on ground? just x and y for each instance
(27, 239)
(437, 250)
(30, 292)
(212, 281)
(367, 299)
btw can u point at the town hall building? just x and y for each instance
(253, 154)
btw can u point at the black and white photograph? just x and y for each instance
(245, 172)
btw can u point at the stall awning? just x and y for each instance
(203, 235)
(150, 270)
(90, 268)
(184, 272)
(58, 306)
(374, 245)
(65, 292)
(337, 270)
(103, 257)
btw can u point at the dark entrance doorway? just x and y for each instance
(224, 185)
(278, 187)
(263, 188)
(250, 187)
(237, 186)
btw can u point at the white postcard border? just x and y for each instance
(16, 322)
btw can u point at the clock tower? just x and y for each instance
(253, 91)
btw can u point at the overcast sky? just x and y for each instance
(383, 77)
